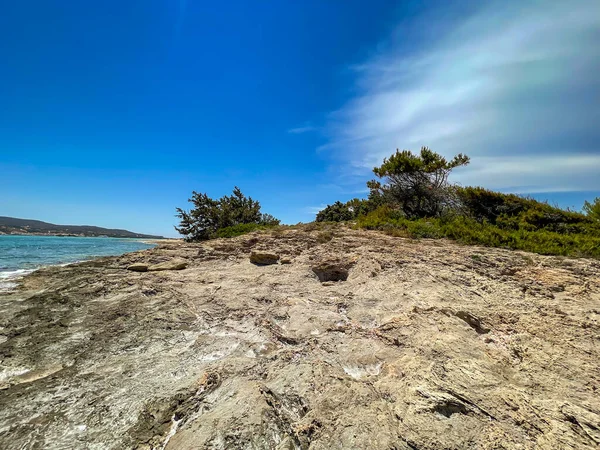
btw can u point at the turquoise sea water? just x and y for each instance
(20, 255)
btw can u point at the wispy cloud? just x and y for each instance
(568, 172)
(514, 85)
(303, 129)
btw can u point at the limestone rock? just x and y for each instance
(331, 270)
(263, 258)
(168, 265)
(138, 267)
(435, 352)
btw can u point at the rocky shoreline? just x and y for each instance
(327, 339)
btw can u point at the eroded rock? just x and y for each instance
(331, 270)
(138, 267)
(168, 265)
(263, 258)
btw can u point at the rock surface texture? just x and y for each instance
(168, 265)
(138, 267)
(263, 258)
(332, 270)
(425, 345)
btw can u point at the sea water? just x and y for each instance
(20, 255)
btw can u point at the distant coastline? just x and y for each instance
(26, 227)
(150, 239)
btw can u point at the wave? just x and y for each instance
(20, 273)
(9, 278)
(8, 274)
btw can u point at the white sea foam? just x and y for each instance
(14, 273)
(9, 278)
(7, 285)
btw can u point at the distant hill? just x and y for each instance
(11, 225)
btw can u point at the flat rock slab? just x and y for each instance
(168, 265)
(263, 258)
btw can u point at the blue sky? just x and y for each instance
(112, 112)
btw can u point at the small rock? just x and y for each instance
(168, 265)
(286, 261)
(138, 267)
(263, 258)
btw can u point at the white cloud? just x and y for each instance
(304, 129)
(529, 173)
(514, 86)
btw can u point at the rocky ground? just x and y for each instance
(343, 340)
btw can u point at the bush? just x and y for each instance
(470, 231)
(484, 205)
(417, 202)
(343, 212)
(418, 184)
(510, 211)
(228, 214)
(238, 230)
(338, 212)
(593, 209)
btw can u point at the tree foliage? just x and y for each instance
(209, 215)
(413, 198)
(352, 209)
(470, 231)
(417, 183)
(592, 209)
(337, 212)
(510, 211)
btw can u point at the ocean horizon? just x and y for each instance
(23, 254)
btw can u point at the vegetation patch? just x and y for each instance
(228, 216)
(415, 200)
(469, 231)
(242, 228)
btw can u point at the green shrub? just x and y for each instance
(425, 229)
(513, 212)
(417, 183)
(238, 230)
(337, 212)
(325, 236)
(482, 204)
(470, 231)
(592, 210)
(209, 216)
(343, 212)
(415, 200)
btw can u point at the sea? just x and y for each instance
(20, 255)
